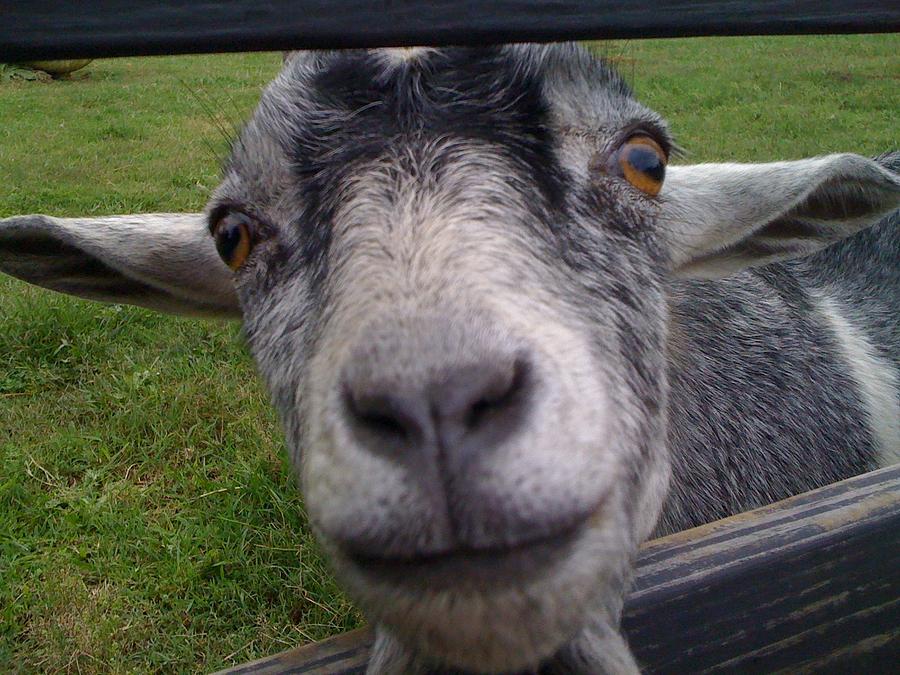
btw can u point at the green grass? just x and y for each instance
(764, 99)
(148, 518)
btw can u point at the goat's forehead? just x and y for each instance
(423, 86)
(330, 110)
(464, 180)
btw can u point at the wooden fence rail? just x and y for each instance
(64, 29)
(810, 584)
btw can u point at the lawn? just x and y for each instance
(148, 518)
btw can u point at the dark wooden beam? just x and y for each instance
(810, 584)
(63, 29)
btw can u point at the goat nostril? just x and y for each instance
(496, 395)
(384, 424)
(388, 416)
(478, 412)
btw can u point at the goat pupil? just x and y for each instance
(646, 161)
(228, 237)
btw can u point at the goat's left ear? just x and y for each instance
(717, 219)
(164, 261)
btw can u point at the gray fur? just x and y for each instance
(424, 212)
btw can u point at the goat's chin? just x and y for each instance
(482, 623)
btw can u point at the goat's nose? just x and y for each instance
(448, 413)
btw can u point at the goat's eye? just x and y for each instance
(642, 162)
(234, 238)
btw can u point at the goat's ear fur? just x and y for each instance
(718, 219)
(164, 261)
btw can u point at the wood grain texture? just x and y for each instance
(813, 579)
(347, 654)
(810, 584)
(57, 29)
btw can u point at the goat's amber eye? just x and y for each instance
(234, 238)
(642, 162)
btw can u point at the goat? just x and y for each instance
(508, 343)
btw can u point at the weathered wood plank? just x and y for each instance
(347, 653)
(810, 584)
(61, 29)
(812, 579)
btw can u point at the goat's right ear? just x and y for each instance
(718, 219)
(164, 261)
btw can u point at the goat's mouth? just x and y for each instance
(501, 609)
(471, 569)
(498, 608)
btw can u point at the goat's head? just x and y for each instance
(425, 296)
(452, 266)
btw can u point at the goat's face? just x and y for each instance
(454, 299)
